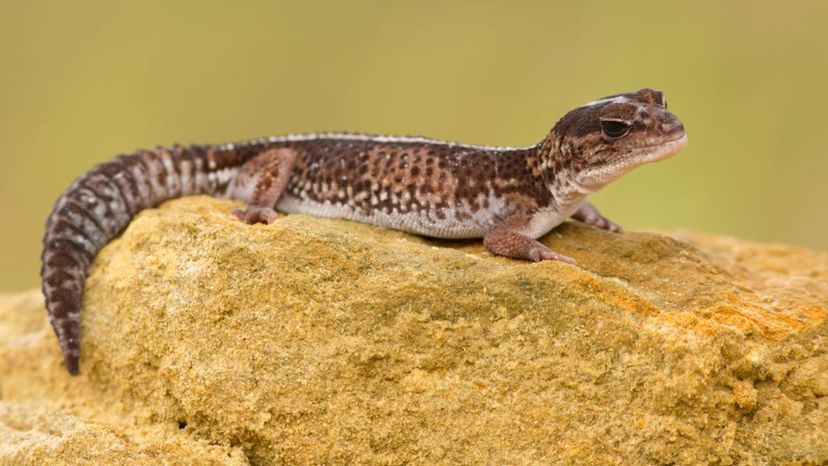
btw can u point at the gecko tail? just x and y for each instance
(95, 209)
(98, 206)
(62, 288)
(69, 247)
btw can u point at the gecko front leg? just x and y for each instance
(587, 213)
(508, 238)
(261, 182)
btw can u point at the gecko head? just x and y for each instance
(600, 141)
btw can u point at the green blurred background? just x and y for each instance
(82, 81)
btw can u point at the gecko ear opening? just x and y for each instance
(613, 129)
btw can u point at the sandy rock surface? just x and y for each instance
(206, 341)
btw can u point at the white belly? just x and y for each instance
(426, 223)
(543, 222)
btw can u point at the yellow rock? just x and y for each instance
(208, 341)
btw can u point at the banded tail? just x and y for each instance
(98, 206)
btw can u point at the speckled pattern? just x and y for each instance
(426, 187)
(508, 196)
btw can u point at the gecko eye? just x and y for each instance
(615, 129)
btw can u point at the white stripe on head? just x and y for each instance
(621, 99)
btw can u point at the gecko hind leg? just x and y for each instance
(507, 239)
(261, 182)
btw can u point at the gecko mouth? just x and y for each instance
(657, 152)
(593, 180)
(679, 141)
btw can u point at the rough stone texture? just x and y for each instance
(323, 341)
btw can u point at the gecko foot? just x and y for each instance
(542, 253)
(588, 214)
(253, 214)
(604, 223)
(507, 239)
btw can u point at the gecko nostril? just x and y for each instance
(672, 127)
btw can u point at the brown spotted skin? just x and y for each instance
(429, 188)
(507, 196)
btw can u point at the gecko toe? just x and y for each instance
(563, 258)
(544, 254)
(606, 224)
(253, 215)
(268, 216)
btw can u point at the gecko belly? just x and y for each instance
(447, 223)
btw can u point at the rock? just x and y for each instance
(325, 341)
(33, 434)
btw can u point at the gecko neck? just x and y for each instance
(559, 174)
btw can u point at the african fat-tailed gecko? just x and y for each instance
(508, 196)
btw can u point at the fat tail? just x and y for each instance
(98, 206)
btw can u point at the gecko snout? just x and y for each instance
(672, 126)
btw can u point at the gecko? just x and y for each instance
(508, 196)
